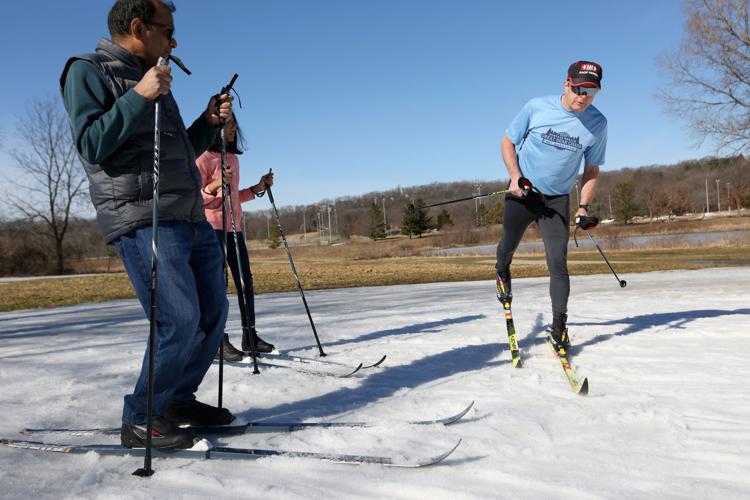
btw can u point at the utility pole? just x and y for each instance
(729, 200)
(476, 203)
(610, 206)
(718, 201)
(329, 223)
(336, 221)
(304, 226)
(708, 207)
(385, 222)
(268, 227)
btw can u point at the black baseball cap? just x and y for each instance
(585, 73)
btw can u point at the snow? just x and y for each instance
(667, 415)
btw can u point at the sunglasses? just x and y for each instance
(169, 29)
(585, 91)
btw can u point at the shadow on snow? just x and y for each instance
(428, 327)
(387, 382)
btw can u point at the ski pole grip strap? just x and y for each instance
(224, 90)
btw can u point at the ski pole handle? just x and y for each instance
(525, 185)
(268, 190)
(586, 222)
(228, 87)
(224, 90)
(179, 64)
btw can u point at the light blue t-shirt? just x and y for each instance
(556, 142)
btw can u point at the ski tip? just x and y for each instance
(432, 460)
(458, 416)
(448, 453)
(379, 362)
(584, 390)
(471, 405)
(346, 375)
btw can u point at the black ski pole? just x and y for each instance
(523, 183)
(294, 269)
(227, 195)
(146, 470)
(247, 328)
(587, 223)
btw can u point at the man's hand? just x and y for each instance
(157, 81)
(515, 189)
(225, 109)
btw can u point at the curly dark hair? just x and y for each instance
(123, 12)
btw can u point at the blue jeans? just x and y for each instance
(191, 309)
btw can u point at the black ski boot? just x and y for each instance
(504, 293)
(260, 344)
(196, 413)
(558, 335)
(231, 353)
(164, 435)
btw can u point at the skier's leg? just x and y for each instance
(553, 225)
(517, 216)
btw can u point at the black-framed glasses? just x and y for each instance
(584, 91)
(169, 29)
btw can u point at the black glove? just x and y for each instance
(586, 222)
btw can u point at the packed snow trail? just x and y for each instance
(667, 414)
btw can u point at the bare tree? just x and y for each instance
(51, 176)
(711, 72)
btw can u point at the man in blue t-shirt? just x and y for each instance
(546, 143)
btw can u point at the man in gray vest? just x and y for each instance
(110, 97)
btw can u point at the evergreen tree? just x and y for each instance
(275, 237)
(626, 204)
(481, 215)
(495, 213)
(416, 221)
(443, 219)
(376, 226)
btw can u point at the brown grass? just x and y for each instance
(320, 268)
(399, 261)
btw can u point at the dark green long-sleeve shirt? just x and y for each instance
(113, 128)
(101, 123)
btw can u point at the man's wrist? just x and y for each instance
(585, 206)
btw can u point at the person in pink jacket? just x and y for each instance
(209, 164)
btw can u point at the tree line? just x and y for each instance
(652, 191)
(33, 246)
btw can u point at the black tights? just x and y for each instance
(246, 274)
(552, 213)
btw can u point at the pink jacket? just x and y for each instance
(209, 164)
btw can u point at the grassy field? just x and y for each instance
(394, 261)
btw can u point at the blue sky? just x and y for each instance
(347, 97)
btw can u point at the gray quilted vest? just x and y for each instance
(121, 187)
